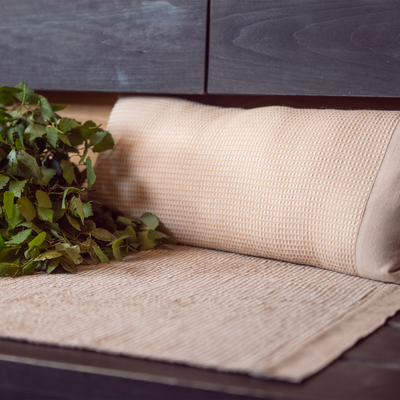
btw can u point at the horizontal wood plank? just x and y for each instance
(102, 45)
(381, 347)
(74, 374)
(305, 47)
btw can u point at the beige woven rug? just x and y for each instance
(201, 307)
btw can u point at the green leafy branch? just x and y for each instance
(45, 225)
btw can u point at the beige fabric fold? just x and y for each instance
(276, 182)
(201, 307)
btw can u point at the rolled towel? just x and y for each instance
(306, 186)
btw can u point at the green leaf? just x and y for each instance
(155, 235)
(8, 269)
(97, 137)
(150, 221)
(106, 143)
(76, 138)
(38, 240)
(79, 208)
(12, 157)
(103, 234)
(17, 187)
(15, 114)
(10, 89)
(35, 131)
(26, 208)
(10, 135)
(66, 124)
(116, 248)
(88, 226)
(28, 166)
(19, 145)
(2, 153)
(32, 253)
(48, 173)
(30, 96)
(48, 255)
(99, 253)
(87, 210)
(30, 268)
(43, 199)
(52, 265)
(60, 247)
(9, 204)
(129, 231)
(32, 226)
(17, 217)
(46, 109)
(91, 176)
(64, 139)
(125, 221)
(52, 136)
(6, 98)
(58, 211)
(3, 181)
(20, 237)
(68, 264)
(88, 129)
(56, 107)
(74, 253)
(145, 242)
(73, 222)
(68, 171)
(45, 214)
(63, 206)
(9, 255)
(38, 118)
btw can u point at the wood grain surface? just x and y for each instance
(104, 45)
(305, 47)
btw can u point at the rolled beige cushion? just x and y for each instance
(314, 187)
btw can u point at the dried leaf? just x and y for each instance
(26, 208)
(48, 255)
(73, 222)
(103, 234)
(43, 199)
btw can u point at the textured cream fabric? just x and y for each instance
(201, 307)
(283, 183)
(272, 182)
(378, 241)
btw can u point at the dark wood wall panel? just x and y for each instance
(305, 47)
(104, 45)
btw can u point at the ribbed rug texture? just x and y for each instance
(200, 307)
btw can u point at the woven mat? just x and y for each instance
(201, 307)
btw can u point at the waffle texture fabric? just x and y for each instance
(201, 307)
(313, 187)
